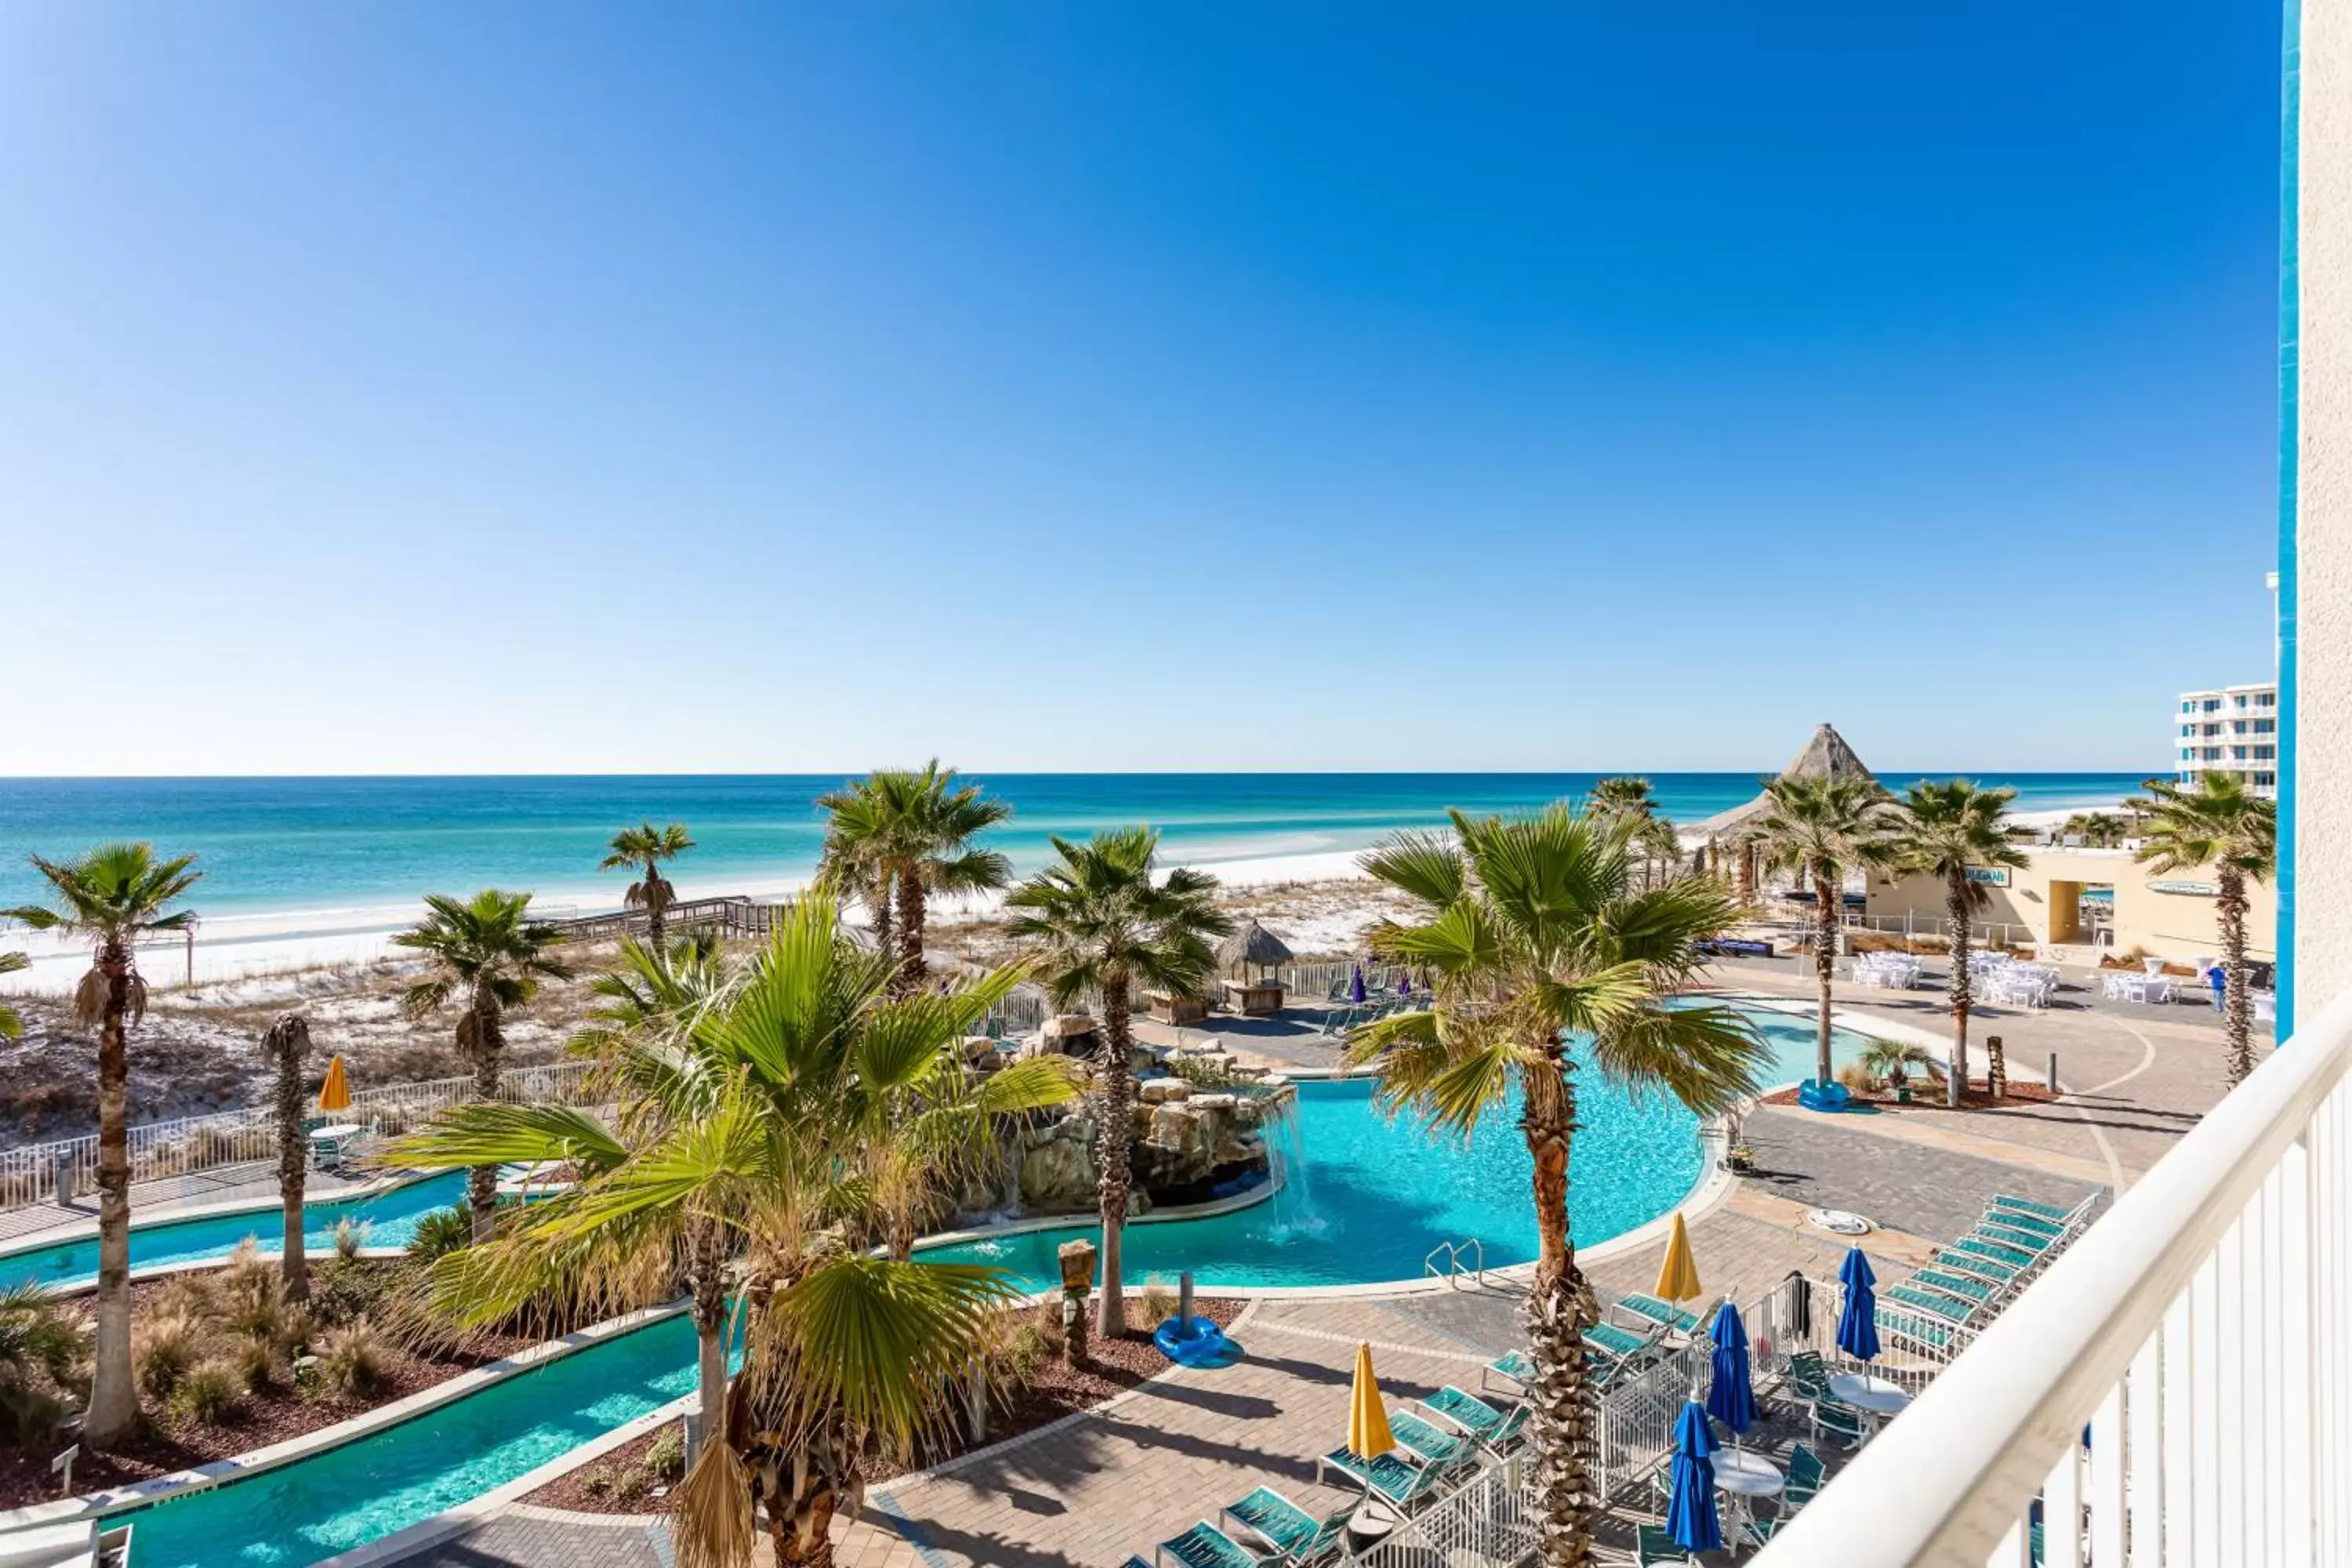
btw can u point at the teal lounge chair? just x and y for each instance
(1656, 1314)
(1999, 1251)
(1805, 1474)
(1135, 1563)
(1206, 1546)
(1653, 1548)
(2031, 1223)
(1514, 1368)
(2028, 1206)
(1388, 1476)
(1916, 1330)
(1298, 1537)
(1977, 1266)
(2025, 1241)
(1935, 1305)
(1759, 1531)
(1431, 1443)
(1489, 1427)
(1966, 1288)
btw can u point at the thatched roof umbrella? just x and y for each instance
(1826, 756)
(1251, 946)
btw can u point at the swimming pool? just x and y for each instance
(346, 1497)
(1375, 1195)
(390, 1219)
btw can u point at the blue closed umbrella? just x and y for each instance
(1690, 1508)
(1731, 1398)
(1858, 1324)
(1356, 984)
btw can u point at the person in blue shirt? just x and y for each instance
(2219, 979)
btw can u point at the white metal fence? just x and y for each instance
(2177, 1389)
(191, 1144)
(1490, 1521)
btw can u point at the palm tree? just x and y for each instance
(114, 897)
(1654, 834)
(1942, 830)
(38, 1341)
(1533, 930)
(287, 1044)
(900, 835)
(2098, 829)
(489, 949)
(2222, 824)
(1819, 829)
(649, 847)
(762, 1128)
(1103, 925)
(1882, 1059)
(12, 1028)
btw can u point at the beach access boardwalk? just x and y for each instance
(1119, 1479)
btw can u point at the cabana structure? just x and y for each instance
(1732, 833)
(1252, 960)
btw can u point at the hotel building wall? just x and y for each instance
(2170, 916)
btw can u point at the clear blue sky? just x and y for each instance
(447, 386)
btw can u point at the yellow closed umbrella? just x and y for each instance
(335, 1094)
(1367, 1418)
(1678, 1275)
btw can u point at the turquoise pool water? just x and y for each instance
(390, 1219)
(362, 1491)
(1376, 1194)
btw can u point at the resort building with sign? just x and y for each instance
(2084, 903)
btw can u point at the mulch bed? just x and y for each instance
(616, 1482)
(167, 1445)
(1974, 1096)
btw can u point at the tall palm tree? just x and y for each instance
(762, 1129)
(1820, 829)
(1654, 834)
(1941, 830)
(12, 1028)
(287, 1045)
(2223, 825)
(1533, 930)
(1102, 924)
(490, 950)
(903, 833)
(650, 847)
(114, 897)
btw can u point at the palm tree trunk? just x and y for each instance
(877, 909)
(113, 1402)
(1115, 1125)
(489, 1048)
(708, 1287)
(2238, 1000)
(910, 935)
(1826, 898)
(289, 1041)
(1559, 1308)
(654, 922)
(1955, 913)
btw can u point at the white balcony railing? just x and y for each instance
(2176, 1390)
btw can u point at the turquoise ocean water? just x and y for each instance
(337, 846)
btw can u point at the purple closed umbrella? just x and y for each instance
(1356, 984)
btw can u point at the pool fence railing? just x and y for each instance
(189, 1145)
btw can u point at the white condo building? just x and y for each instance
(2230, 730)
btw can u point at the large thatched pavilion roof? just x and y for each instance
(1826, 756)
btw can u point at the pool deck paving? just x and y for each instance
(1140, 1469)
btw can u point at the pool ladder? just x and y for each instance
(1453, 1253)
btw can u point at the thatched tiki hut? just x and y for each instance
(1826, 756)
(1252, 960)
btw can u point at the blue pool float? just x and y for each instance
(1197, 1344)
